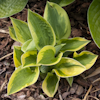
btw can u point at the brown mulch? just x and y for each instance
(82, 89)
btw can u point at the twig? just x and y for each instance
(36, 9)
(95, 90)
(60, 97)
(6, 56)
(4, 83)
(83, 25)
(93, 97)
(88, 92)
(96, 80)
(4, 31)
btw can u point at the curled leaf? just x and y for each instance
(17, 56)
(28, 46)
(50, 84)
(12, 33)
(29, 59)
(46, 56)
(86, 58)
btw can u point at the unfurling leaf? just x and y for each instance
(28, 46)
(58, 48)
(12, 33)
(46, 56)
(21, 78)
(50, 84)
(17, 56)
(45, 69)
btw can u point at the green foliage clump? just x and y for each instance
(44, 50)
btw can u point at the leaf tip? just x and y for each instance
(12, 18)
(8, 94)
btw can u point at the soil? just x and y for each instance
(82, 89)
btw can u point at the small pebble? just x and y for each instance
(76, 99)
(55, 99)
(21, 97)
(76, 32)
(30, 98)
(41, 97)
(79, 90)
(36, 95)
(73, 88)
(65, 94)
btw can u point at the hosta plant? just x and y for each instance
(44, 50)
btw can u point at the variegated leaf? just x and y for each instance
(21, 30)
(86, 58)
(68, 67)
(29, 59)
(21, 78)
(74, 44)
(58, 19)
(41, 30)
(11, 7)
(28, 46)
(12, 33)
(46, 56)
(58, 48)
(45, 69)
(17, 56)
(50, 84)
